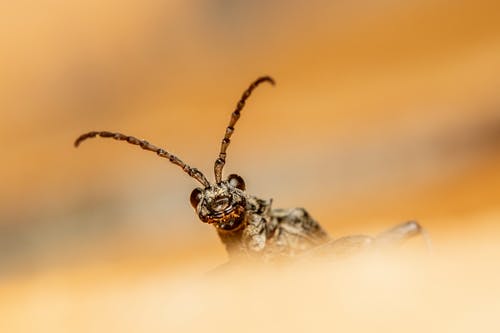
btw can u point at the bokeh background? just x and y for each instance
(384, 111)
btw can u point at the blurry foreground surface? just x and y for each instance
(448, 291)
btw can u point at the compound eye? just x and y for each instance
(236, 181)
(195, 197)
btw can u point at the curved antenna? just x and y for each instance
(219, 162)
(193, 172)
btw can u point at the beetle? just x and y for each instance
(247, 225)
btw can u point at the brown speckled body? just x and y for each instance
(273, 233)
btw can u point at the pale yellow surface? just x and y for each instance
(383, 111)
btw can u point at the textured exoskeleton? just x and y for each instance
(248, 226)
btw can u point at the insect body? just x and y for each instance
(248, 226)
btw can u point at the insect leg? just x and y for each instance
(345, 246)
(401, 233)
(351, 245)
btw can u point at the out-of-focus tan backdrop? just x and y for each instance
(383, 111)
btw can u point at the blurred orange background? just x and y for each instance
(384, 111)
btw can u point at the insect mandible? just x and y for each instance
(247, 225)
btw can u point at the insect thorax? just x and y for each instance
(269, 234)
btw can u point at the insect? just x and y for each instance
(248, 226)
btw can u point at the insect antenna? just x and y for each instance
(193, 172)
(221, 160)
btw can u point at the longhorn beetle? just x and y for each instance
(247, 225)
